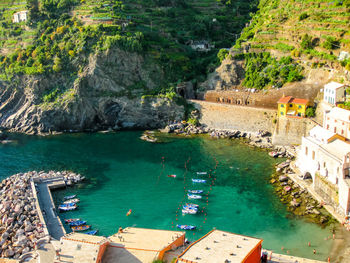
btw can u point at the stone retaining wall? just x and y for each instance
(234, 117)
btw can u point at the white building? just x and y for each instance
(20, 17)
(334, 92)
(337, 120)
(325, 157)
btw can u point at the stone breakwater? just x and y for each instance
(261, 139)
(20, 224)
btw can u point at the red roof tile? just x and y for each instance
(290, 99)
(285, 99)
(299, 101)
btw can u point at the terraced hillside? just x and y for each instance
(316, 30)
(13, 35)
(168, 28)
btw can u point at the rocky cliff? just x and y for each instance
(107, 93)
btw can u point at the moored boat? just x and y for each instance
(202, 173)
(77, 223)
(67, 208)
(189, 211)
(190, 196)
(93, 232)
(186, 227)
(80, 228)
(70, 197)
(195, 191)
(75, 200)
(70, 220)
(67, 205)
(172, 175)
(192, 205)
(198, 180)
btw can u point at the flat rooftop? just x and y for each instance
(217, 246)
(77, 248)
(139, 244)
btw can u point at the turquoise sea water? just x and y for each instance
(124, 172)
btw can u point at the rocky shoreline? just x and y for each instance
(261, 139)
(20, 225)
(298, 201)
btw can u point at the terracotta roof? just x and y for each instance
(299, 101)
(290, 99)
(285, 99)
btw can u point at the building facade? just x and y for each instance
(325, 157)
(337, 120)
(334, 92)
(21, 16)
(292, 107)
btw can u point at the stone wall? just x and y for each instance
(290, 130)
(326, 190)
(235, 117)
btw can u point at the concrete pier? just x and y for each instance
(46, 207)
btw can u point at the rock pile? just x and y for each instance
(298, 201)
(20, 226)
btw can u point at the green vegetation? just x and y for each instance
(160, 30)
(222, 54)
(318, 28)
(310, 112)
(263, 70)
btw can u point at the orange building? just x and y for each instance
(221, 246)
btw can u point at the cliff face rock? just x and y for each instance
(228, 75)
(106, 94)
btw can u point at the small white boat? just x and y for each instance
(202, 173)
(70, 197)
(198, 180)
(189, 211)
(72, 201)
(190, 196)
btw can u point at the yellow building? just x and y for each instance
(292, 107)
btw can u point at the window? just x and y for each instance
(306, 150)
(299, 107)
(290, 105)
(342, 132)
(282, 105)
(313, 155)
(335, 129)
(281, 113)
(327, 126)
(324, 164)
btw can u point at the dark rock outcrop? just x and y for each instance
(107, 93)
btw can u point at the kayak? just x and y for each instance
(70, 197)
(172, 175)
(198, 180)
(70, 220)
(77, 223)
(195, 191)
(194, 196)
(75, 200)
(93, 232)
(202, 173)
(81, 228)
(186, 227)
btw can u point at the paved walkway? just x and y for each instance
(54, 225)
